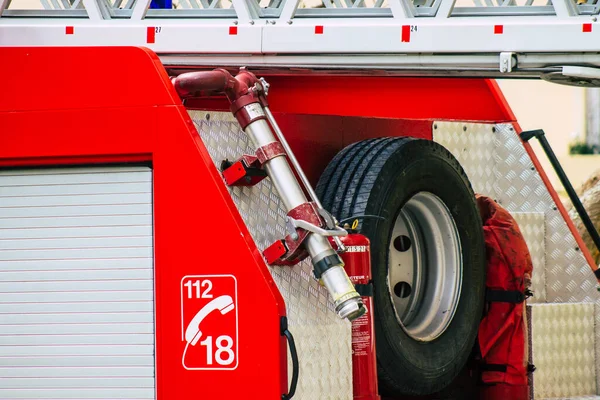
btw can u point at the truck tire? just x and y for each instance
(428, 255)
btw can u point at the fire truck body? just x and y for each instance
(117, 225)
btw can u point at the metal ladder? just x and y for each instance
(554, 39)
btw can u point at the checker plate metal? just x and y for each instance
(517, 186)
(532, 226)
(562, 338)
(521, 189)
(326, 363)
(577, 398)
(474, 147)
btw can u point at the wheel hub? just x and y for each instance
(425, 267)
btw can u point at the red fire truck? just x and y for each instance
(264, 200)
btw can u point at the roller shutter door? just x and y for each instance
(76, 284)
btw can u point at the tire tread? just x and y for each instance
(346, 189)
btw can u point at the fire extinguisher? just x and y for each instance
(357, 260)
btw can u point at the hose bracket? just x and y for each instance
(300, 222)
(248, 171)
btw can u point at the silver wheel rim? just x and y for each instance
(425, 267)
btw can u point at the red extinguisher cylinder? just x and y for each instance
(357, 260)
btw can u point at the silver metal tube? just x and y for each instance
(348, 303)
(292, 157)
(341, 288)
(278, 169)
(287, 186)
(297, 167)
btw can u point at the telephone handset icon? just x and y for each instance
(222, 303)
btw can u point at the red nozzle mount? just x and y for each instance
(218, 81)
(240, 90)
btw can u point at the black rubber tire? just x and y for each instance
(378, 176)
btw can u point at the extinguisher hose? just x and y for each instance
(295, 364)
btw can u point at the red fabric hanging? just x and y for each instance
(502, 332)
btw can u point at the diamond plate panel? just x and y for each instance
(568, 276)
(325, 364)
(498, 166)
(476, 146)
(562, 338)
(520, 188)
(533, 230)
(473, 145)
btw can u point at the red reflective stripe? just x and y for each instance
(150, 34)
(405, 33)
(319, 30)
(587, 27)
(498, 29)
(69, 30)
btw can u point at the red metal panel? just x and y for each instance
(387, 97)
(431, 99)
(74, 133)
(200, 231)
(50, 78)
(316, 139)
(85, 116)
